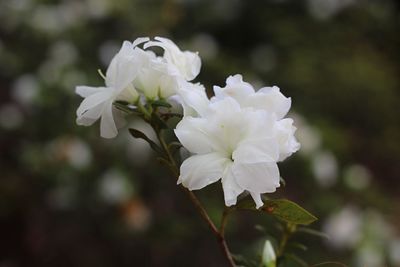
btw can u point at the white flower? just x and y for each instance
(184, 63)
(269, 99)
(98, 101)
(231, 144)
(238, 137)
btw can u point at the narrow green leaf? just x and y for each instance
(298, 245)
(296, 259)
(312, 232)
(138, 134)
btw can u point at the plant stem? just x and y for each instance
(219, 234)
(288, 231)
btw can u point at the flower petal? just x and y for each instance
(191, 132)
(260, 177)
(257, 199)
(235, 87)
(231, 189)
(85, 91)
(194, 98)
(108, 129)
(271, 100)
(257, 150)
(201, 170)
(93, 100)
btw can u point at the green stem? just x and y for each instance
(289, 229)
(219, 234)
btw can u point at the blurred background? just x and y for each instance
(70, 198)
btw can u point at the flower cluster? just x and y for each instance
(237, 136)
(134, 76)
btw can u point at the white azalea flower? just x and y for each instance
(267, 98)
(98, 101)
(182, 63)
(231, 144)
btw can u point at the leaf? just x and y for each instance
(288, 211)
(283, 209)
(298, 245)
(138, 134)
(296, 259)
(312, 232)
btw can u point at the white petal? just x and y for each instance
(93, 100)
(257, 177)
(231, 189)
(286, 139)
(108, 128)
(85, 91)
(123, 67)
(192, 134)
(147, 83)
(201, 170)
(193, 97)
(90, 116)
(188, 63)
(257, 199)
(235, 87)
(140, 40)
(257, 150)
(269, 99)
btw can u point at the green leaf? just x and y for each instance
(138, 134)
(283, 209)
(288, 211)
(296, 259)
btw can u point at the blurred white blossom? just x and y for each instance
(344, 228)
(114, 187)
(357, 177)
(325, 169)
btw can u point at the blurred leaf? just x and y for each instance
(138, 134)
(240, 260)
(283, 209)
(296, 259)
(312, 232)
(298, 245)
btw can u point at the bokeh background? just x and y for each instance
(71, 198)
